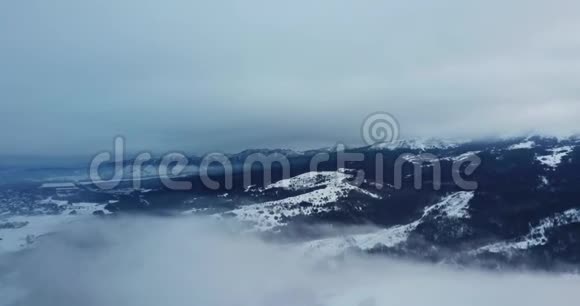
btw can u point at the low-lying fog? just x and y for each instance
(190, 261)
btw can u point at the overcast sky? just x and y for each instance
(230, 74)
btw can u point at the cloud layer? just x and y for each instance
(230, 74)
(189, 261)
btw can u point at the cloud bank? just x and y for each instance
(189, 261)
(231, 74)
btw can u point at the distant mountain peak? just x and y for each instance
(419, 144)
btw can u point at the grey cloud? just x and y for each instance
(192, 261)
(229, 74)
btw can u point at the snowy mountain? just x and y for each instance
(524, 211)
(418, 144)
(454, 206)
(321, 191)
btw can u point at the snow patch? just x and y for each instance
(454, 206)
(310, 180)
(554, 159)
(537, 235)
(51, 201)
(417, 144)
(332, 247)
(18, 232)
(522, 145)
(334, 185)
(462, 156)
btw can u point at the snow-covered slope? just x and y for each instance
(332, 187)
(537, 235)
(453, 206)
(330, 247)
(417, 144)
(462, 156)
(20, 231)
(527, 144)
(555, 158)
